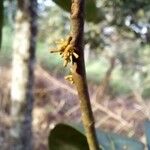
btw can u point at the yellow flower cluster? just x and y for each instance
(67, 51)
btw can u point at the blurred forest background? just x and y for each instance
(117, 55)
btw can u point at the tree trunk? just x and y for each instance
(23, 75)
(1, 21)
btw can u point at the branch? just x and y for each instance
(79, 74)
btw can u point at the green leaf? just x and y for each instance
(147, 132)
(65, 137)
(112, 141)
(92, 13)
(64, 4)
(1, 21)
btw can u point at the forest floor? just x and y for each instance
(56, 101)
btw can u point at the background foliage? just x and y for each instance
(106, 36)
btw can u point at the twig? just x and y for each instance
(56, 81)
(78, 72)
(112, 115)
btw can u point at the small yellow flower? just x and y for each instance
(69, 78)
(66, 50)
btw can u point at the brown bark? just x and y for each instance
(23, 75)
(1, 21)
(79, 74)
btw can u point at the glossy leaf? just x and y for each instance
(147, 132)
(65, 137)
(92, 13)
(112, 141)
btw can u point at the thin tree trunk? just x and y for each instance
(78, 72)
(23, 75)
(1, 21)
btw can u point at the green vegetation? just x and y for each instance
(95, 69)
(6, 51)
(118, 29)
(75, 139)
